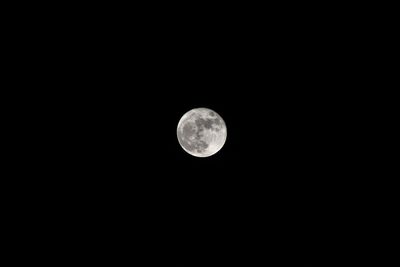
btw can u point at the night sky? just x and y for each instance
(277, 189)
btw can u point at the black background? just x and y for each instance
(118, 185)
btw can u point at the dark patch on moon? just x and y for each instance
(200, 127)
(203, 144)
(212, 114)
(199, 122)
(188, 130)
(206, 123)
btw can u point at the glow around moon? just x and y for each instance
(201, 132)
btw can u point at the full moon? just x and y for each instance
(201, 132)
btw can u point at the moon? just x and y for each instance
(201, 132)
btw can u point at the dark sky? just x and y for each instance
(278, 184)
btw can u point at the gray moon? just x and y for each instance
(201, 132)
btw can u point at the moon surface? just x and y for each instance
(201, 132)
